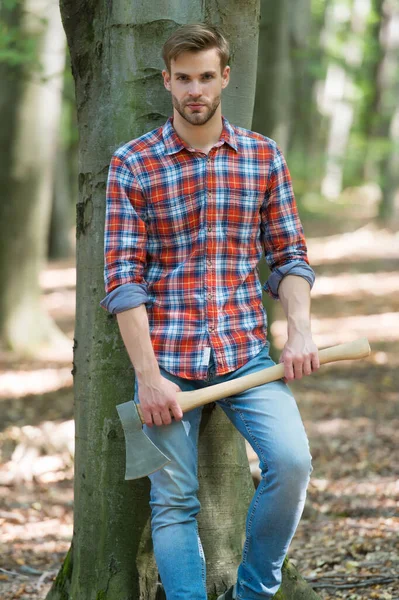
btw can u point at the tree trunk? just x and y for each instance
(388, 126)
(272, 114)
(117, 69)
(59, 245)
(339, 95)
(389, 206)
(30, 104)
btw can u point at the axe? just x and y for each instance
(143, 457)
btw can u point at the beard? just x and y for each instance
(196, 118)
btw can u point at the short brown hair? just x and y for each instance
(194, 38)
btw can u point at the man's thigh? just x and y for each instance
(268, 417)
(179, 442)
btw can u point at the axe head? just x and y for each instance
(143, 457)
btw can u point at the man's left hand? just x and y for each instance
(300, 356)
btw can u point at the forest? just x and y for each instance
(78, 79)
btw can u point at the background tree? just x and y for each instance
(31, 67)
(283, 96)
(65, 189)
(115, 53)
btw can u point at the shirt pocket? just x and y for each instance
(242, 217)
(175, 220)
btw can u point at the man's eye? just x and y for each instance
(182, 78)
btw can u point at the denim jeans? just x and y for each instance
(268, 417)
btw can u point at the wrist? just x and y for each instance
(299, 325)
(148, 373)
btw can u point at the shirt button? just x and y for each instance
(210, 228)
(209, 263)
(210, 296)
(212, 328)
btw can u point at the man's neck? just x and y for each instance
(200, 137)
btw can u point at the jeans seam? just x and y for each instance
(259, 492)
(260, 488)
(202, 555)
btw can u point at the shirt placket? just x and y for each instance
(211, 251)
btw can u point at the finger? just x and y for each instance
(176, 411)
(315, 361)
(288, 369)
(157, 419)
(298, 368)
(147, 417)
(307, 365)
(166, 418)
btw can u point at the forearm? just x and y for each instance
(294, 294)
(300, 356)
(134, 328)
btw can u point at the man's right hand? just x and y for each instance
(158, 401)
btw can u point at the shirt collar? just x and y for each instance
(173, 143)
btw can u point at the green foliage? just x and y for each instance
(16, 48)
(10, 4)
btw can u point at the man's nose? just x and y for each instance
(195, 89)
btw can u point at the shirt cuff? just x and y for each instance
(297, 267)
(124, 297)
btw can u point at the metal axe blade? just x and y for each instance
(143, 457)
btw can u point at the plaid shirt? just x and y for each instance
(184, 233)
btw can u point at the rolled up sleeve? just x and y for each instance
(125, 240)
(282, 234)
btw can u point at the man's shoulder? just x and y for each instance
(148, 144)
(249, 138)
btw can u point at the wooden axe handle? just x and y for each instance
(188, 400)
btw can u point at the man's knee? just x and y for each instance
(292, 465)
(174, 510)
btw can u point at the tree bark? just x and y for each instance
(30, 104)
(119, 93)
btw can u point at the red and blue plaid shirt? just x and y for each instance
(184, 233)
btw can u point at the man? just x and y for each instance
(191, 206)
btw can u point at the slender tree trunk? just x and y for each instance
(31, 107)
(388, 123)
(115, 51)
(339, 92)
(59, 245)
(389, 206)
(272, 115)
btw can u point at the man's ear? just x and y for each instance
(166, 79)
(225, 77)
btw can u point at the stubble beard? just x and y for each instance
(196, 118)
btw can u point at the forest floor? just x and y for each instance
(347, 542)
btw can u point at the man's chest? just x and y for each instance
(220, 193)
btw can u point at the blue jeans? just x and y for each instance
(268, 418)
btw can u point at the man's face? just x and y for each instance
(196, 84)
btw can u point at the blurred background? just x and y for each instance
(328, 93)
